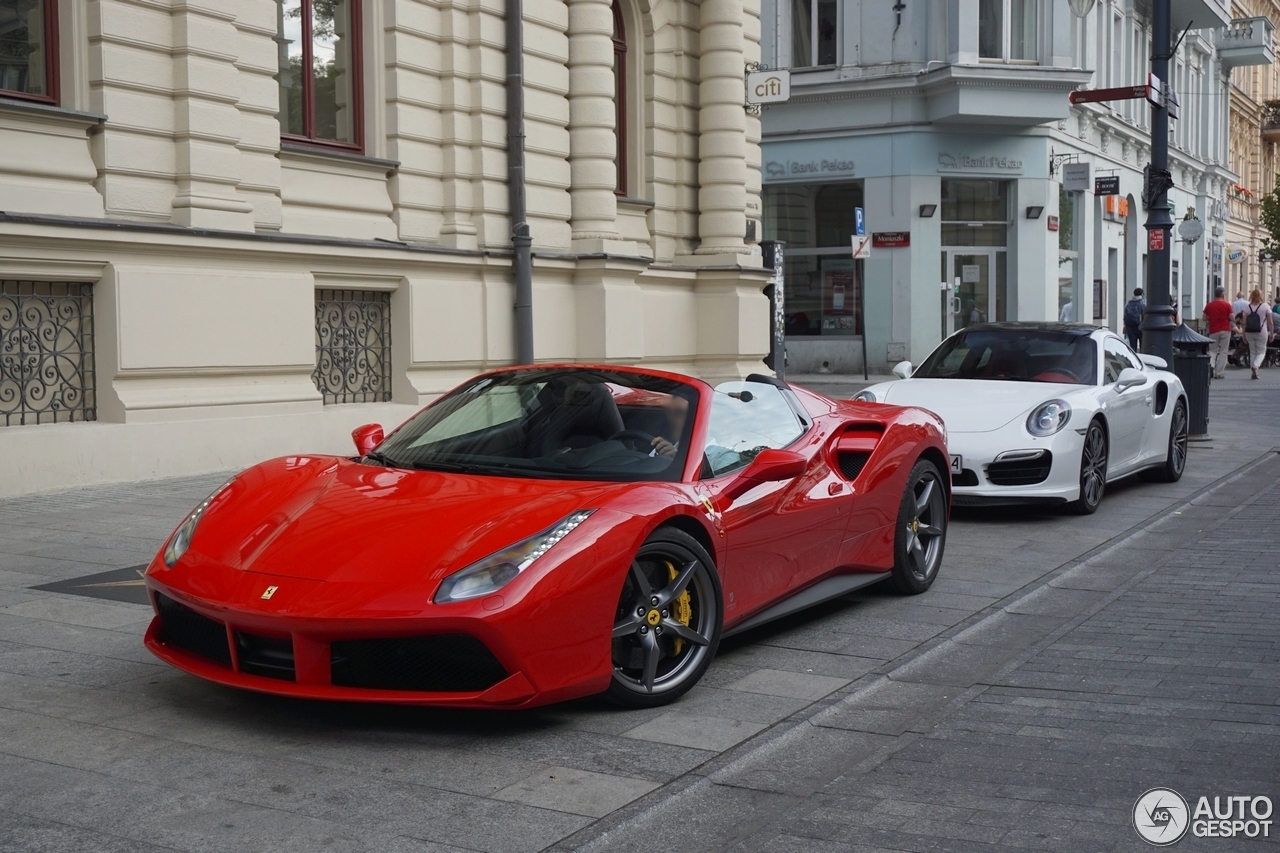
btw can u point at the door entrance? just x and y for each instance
(976, 277)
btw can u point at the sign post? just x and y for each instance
(776, 291)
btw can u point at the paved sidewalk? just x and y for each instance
(841, 728)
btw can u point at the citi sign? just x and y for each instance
(768, 87)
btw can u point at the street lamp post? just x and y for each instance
(1157, 325)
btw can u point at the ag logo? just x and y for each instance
(1160, 816)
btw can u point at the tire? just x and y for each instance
(1093, 470)
(666, 628)
(921, 531)
(1175, 460)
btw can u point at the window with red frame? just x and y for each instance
(620, 96)
(29, 50)
(319, 77)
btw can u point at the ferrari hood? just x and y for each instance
(972, 405)
(329, 519)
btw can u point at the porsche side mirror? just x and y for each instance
(1154, 361)
(902, 370)
(367, 437)
(769, 466)
(1130, 377)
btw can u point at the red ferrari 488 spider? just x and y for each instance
(549, 532)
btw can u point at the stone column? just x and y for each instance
(722, 126)
(206, 118)
(592, 140)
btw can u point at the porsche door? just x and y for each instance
(776, 531)
(1128, 410)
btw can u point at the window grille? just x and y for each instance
(353, 346)
(46, 352)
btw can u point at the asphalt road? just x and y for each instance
(1059, 668)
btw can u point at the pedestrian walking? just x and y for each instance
(1220, 316)
(1133, 311)
(1258, 329)
(1241, 303)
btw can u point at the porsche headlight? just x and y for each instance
(864, 397)
(180, 541)
(1048, 418)
(497, 570)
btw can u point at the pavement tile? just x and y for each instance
(715, 734)
(79, 611)
(565, 789)
(795, 685)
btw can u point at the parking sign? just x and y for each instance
(859, 224)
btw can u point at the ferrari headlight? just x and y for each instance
(864, 397)
(497, 570)
(1048, 418)
(180, 541)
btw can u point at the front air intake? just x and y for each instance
(441, 663)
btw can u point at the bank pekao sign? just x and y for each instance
(951, 162)
(802, 168)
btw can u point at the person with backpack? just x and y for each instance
(1258, 328)
(1133, 311)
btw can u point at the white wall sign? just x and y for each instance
(1075, 177)
(970, 273)
(768, 87)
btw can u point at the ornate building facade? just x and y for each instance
(238, 228)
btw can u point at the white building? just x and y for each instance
(948, 122)
(239, 228)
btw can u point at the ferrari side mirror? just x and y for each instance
(769, 466)
(1130, 377)
(902, 370)
(367, 437)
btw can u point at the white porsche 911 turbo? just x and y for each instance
(1046, 412)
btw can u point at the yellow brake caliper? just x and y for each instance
(681, 608)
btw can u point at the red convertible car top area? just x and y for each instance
(549, 532)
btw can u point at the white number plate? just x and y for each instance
(957, 463)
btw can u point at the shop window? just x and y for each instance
(353, 346)
(29, 50)
(814, 25)
(1008, 30)
(46, 352)
(975, 213)
(319, 73)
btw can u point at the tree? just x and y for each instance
(1269, 216)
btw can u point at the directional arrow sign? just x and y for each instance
(861, 246)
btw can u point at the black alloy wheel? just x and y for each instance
(1093, 470)
(1176, 459)
(667, 624)
(921, 532)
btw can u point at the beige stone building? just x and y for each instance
(239, 228)
(1254, 132)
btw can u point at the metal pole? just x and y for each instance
(521, 240)
(1157, 325)
(773, 251)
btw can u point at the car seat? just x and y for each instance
(577, 414)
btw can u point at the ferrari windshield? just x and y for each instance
(558, 423)
(1016, 355)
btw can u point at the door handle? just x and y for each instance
(1147, 400)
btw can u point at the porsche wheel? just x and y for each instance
(921, 531)
(667, 624)
(1093, 470)
(1176, 458)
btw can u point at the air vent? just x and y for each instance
(851, 464)
(854, 447)
(1021, 472)
(183, 628)
(267, 656)
(443, 663)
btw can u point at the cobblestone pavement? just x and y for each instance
(1058, 668)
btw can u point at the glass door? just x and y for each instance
(973, 286)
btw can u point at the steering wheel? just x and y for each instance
(634, 439)
(1056, 374)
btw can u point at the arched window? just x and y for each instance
(620, 97)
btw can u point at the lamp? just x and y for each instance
(1080, 8)
(927, 210)
(1034, 211)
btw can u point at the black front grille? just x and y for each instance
(182, 627)
(852, 463)
(1021, 472)
(268, 656)
(967, 477)
(443, 663)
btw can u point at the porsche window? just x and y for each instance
(747, 417)
(555, 423)
(1117, 356)
(1016, 355)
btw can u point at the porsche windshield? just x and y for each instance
(1015, 355)
(553, 423)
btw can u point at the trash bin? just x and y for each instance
(1191, 364)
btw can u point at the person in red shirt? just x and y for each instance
(1219, 313)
